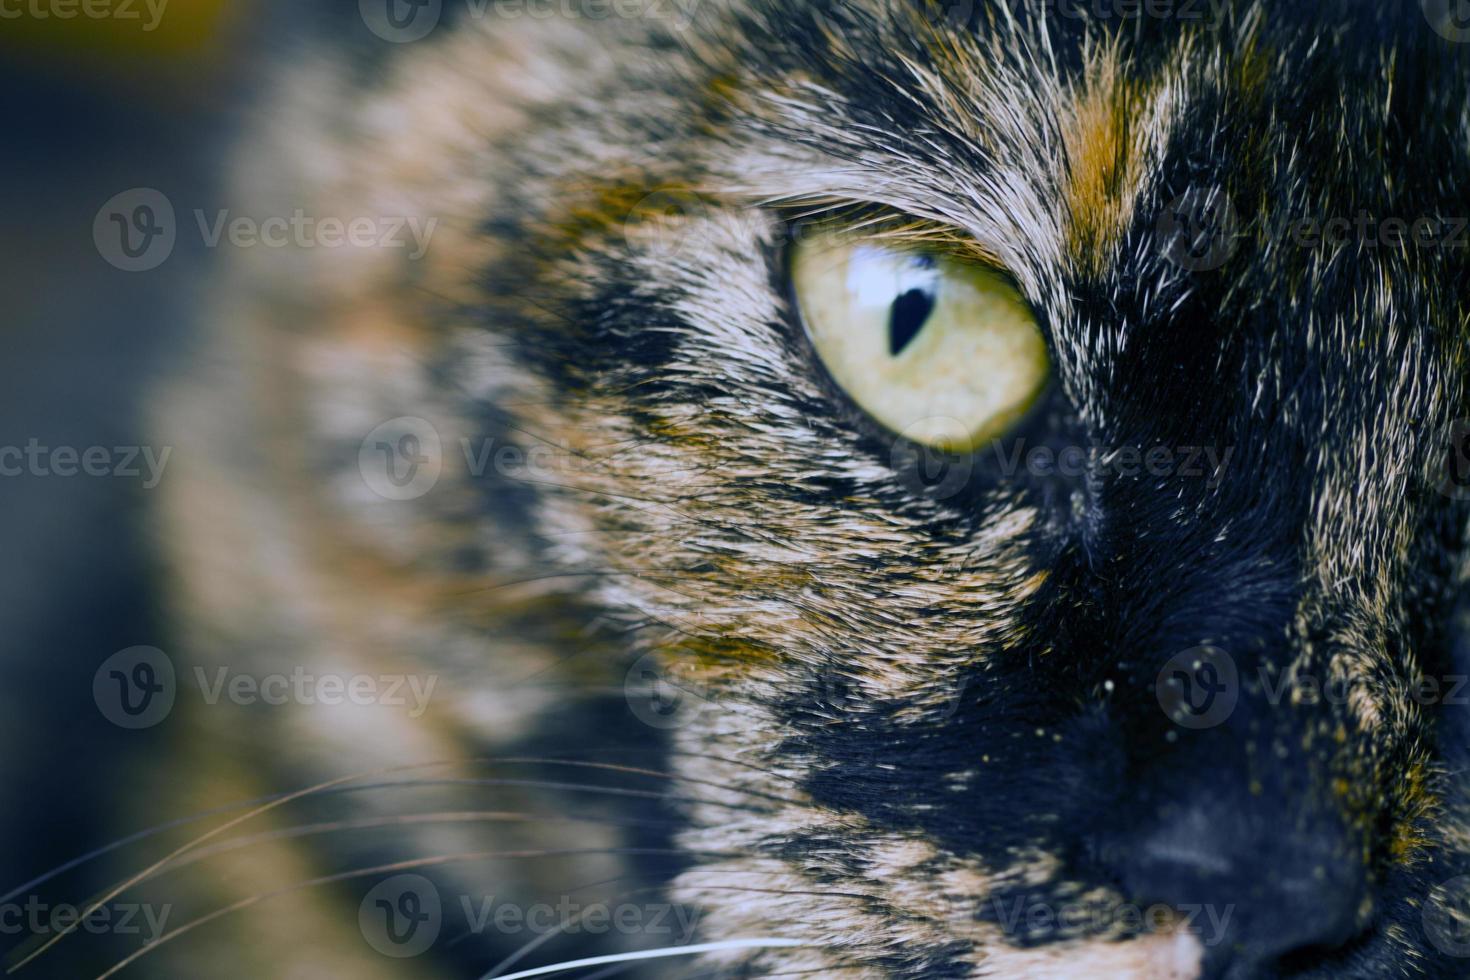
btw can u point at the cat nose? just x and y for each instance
(1258, 900)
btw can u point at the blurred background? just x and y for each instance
(101, 101)
(93, 106)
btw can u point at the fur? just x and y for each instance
(922, 706)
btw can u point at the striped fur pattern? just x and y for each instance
(922, 706)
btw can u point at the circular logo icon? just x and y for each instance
(957, 13)
(924, 470)
(401, 21)
(401, 916)
(402, 458)
(1452, 465)
(1199, 229)
(1447, 917)
(663, 224)
(135, 688)
(659, 698)
(135, 231)
(1199, 687)
(1449, 18)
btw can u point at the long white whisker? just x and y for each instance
(650, 954)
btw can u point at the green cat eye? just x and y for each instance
(942, 351)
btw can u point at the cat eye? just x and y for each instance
(942, 351)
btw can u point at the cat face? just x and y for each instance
(1040, 718)
(1157, 680)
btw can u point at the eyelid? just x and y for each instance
(971, 368)
(893, 228)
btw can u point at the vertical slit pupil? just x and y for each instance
(906, 318)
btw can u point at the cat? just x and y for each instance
(1154, 677)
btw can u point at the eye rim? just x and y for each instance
(901, 232)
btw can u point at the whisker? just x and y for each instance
(185, 848)
(640, 771)
(166, 826)
(534, 579)
(147, 872)
(562, 929)
(761, 770)
(408, 819)
(654, 954)
(143, 834)
(396, 867)
(642, 794)
(715, 974)
(546, 937)
(777, 891)
(611, 971)
(468, 932)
